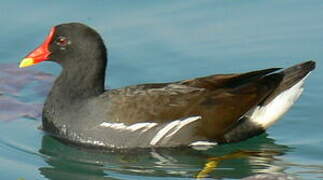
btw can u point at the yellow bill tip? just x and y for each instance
(26, 62)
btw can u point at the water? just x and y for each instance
(160, 41)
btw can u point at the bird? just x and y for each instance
(204, 111)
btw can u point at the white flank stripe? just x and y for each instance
(161, 133)
(184, 123)
(134, 127)
(171, 129)
(144, 126)
(113, 125)
(202, 145)
(269, 114)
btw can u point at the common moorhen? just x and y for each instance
(219, 108)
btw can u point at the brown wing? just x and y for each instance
(219, 99)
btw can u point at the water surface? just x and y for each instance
(161, 41)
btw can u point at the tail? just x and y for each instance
(291, 76)
(274, 106)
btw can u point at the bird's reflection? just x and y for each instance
(257, 155)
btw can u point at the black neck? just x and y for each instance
(71, 90)
(80, 79)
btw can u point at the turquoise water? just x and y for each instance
(160, 41)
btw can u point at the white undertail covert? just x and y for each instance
(270, 113)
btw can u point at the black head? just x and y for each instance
(82, 54)
(69, 44)
(74, 42)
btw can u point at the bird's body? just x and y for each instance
(218, 108)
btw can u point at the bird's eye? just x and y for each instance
(62, 41)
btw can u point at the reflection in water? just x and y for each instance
(259, 158)
(13, 81)
(12, 109)
(258, 155)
